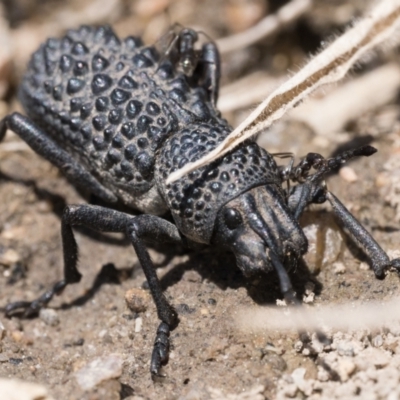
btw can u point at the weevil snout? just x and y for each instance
(257, 224)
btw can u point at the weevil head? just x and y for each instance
(223, 202)
(255, 223)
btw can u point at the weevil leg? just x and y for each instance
(308, 193)
(380, 260)
(208, 71)
(140, 229)
(145, 226)
(38, 140)
(300, 196)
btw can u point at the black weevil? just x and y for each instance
(117, 118)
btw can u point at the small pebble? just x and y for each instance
(306, 352)
(9, 257)
(364, 266)
(99, 370)
(339, 268)
(309, 298)
(348, 174)
(298, 346)
(377, 341)
(137, 300)
(13, 389)
(393, 253)
(192, 276)
(138, 324)
(2, 331)
(17, 336)
(49, 316)
(345, 349)
(345, 369)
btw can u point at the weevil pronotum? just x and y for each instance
(118, 118)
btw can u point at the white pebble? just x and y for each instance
(364, 266)
(13, 389)
(9, 257)
(339, 268)
(298, 346)
(99, 370)
(309, 298)
(346, 368)
(348, 174)
(393, 253)
(49, 316)
(138, 324)
(377, 341)
(2, 331)
(306, 352)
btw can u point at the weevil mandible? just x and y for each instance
(117, 118)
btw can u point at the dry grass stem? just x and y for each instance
(370, 315)
(266, 27)
(333, 112)
(329, 66)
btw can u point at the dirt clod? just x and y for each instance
(137, 300)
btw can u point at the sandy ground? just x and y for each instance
(210, 357)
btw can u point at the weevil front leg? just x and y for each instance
(208, 71)
(310, 192)
(379, 259)
(140, 229)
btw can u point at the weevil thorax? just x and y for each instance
(196, 199)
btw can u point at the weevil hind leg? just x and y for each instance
(43, 145)
(140, 229)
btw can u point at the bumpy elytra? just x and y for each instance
(118, 117)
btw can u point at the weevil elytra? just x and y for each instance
(117, 118)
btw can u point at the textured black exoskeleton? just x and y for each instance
(117, 118)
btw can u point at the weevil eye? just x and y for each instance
(232, 218)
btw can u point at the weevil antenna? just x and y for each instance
(332, 163)
(284, 280)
